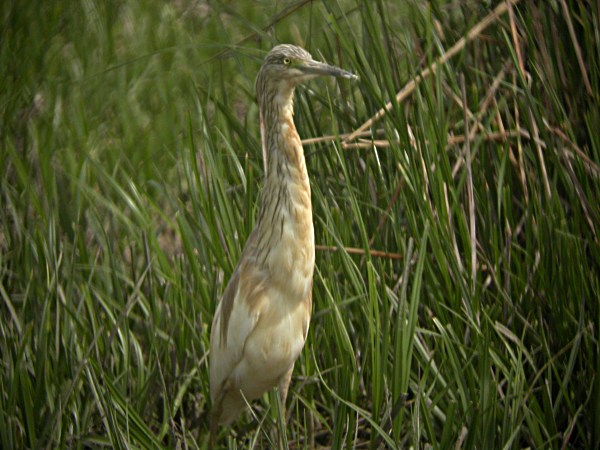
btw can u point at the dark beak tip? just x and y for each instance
(348, 75)
(318, 68)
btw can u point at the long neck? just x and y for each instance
(285, 216)
(282, 147)
(285, 166)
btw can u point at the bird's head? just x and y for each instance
(286, 66)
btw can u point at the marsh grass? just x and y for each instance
(131, 165)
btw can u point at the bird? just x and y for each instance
(261, 321)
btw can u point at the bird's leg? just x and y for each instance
(214, 423)
(217, 410)
(284, 385)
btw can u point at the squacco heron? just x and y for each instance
(261, 322)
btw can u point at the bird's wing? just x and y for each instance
(234, 321)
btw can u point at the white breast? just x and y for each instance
(274, 345)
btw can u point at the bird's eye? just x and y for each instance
(287, 61)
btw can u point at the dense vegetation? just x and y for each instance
(456, 295)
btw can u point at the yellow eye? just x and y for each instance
(287, 61)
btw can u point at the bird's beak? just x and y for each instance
(317, 68)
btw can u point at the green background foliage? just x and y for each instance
(456, 290)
